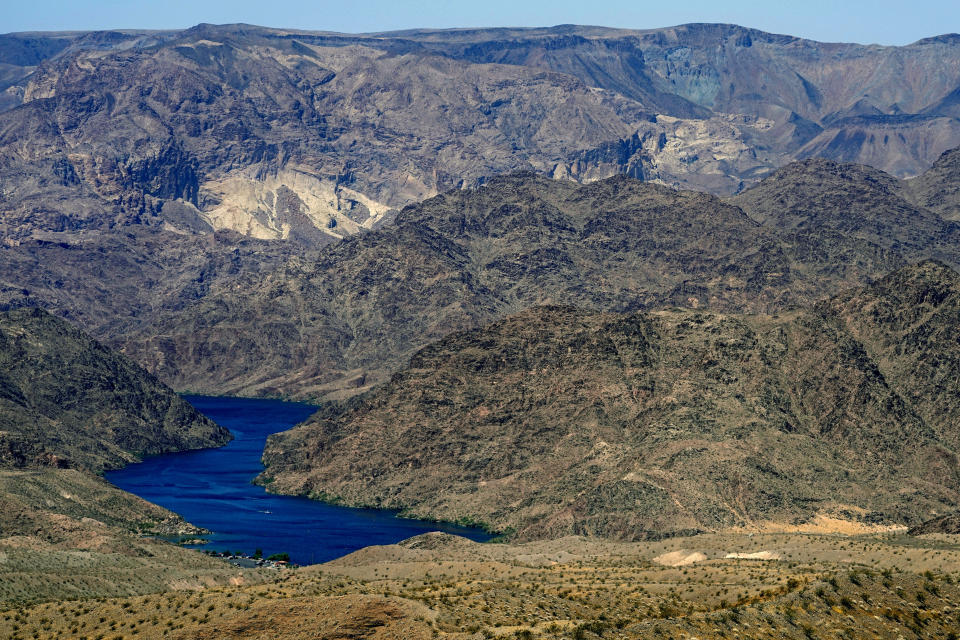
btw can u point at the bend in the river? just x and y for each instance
(212, 489)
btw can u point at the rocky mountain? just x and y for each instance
(351, 314)
(354, 312)
(65, 400)
(182, 195)
(246, 129)
(559, 421)
(223, 313)
(909, 323)
(849, 103)
(938, 189)
(69, 409)
(308, 136)
(848, 220)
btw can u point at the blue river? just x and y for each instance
(212, 489)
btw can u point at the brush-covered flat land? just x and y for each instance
(800, 586)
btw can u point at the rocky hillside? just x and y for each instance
(558, 420)
(65, 400)
(309, 136)
(849, 220)
(222, 313)
(938, 189)
(909, 324)
(349, 315)
(948, 524)
(69, 409)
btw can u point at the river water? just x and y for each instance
(212, 489)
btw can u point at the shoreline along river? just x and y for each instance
(212, 489)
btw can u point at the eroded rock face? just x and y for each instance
(227, 123)
(174, 192)
(560, 421)
(99, 130)
(223, 313)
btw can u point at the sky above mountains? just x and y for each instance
(880, 21)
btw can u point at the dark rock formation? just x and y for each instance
(219, 313)
(939, 188)
(65, 400)
(558, 421)
(948, 524)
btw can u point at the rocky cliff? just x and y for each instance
(308, 136)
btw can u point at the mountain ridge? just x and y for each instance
(348, 149)
(71, 409)
(220, 313)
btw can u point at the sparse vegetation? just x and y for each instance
(440, 586)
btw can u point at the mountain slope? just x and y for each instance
(220, 313)
(939, 188)
(279, 138)
(69, 409)
(66, 400)
(353, 312)
(847, 219)
(909, 323)
(308, 136)
(558, 421)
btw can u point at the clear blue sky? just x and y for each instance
(880, 21)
